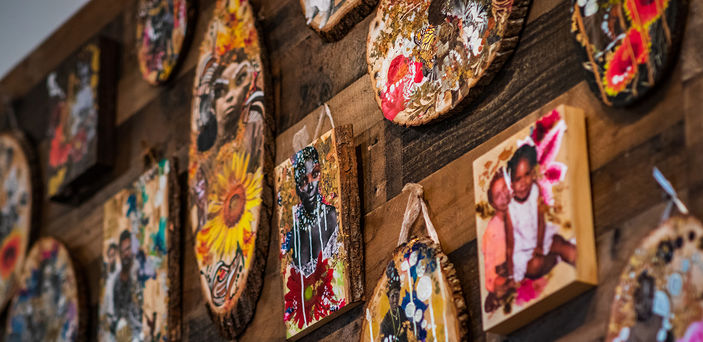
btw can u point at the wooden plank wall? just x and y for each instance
(624, 144)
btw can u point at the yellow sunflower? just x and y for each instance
(233, 203)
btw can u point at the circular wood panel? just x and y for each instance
(48, 306)
(17, 206)
(628, 46)
(426, 57)
(231, 165)
(162, 27)
(418, 298)
(332, 19)
(658, 296)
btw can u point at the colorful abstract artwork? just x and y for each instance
(332, 18)
(533, 217)
(658, 297)
(415, 298)
(49, 303)
(17, 199)
(139, 279)
(628, 45)
(76, 147)
(162, 27)
(228, 184)
(317, 231)
(426, 56)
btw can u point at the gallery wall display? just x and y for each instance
(50, 303)
(321, 245)
(19, 195)
(163, 27)
(426, 57)
(333, 18)
(534, 222)
(658, 294)
(140, 278)
(81, 119)
(628, 45)
(418, 297)
(231, 168)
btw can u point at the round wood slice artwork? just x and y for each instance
(332, 19)
(162, 28)
(48, 306)
(231, 166)
(628, 45)
(418, 298)
(658, 297)
(17, 206)
(426, 57)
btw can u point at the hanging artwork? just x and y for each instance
(18, 208)
(418, 297)
(628, 45)
(140, 289)
(332, 19)
(534, 223)
(426, 56)
(162, 30)
(319, 232)
(658, 297)
(50, 304)
(81, 97)
(230, 171)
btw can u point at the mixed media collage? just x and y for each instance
(137, 263)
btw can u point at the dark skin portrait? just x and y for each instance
(308, 186)
(125, 256)
(522, 180)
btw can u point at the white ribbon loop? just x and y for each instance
(416, 203)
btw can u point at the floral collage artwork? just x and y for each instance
(658, 294)
(414, 300)
(136, 284)
(73, 122)
(313, 255)
(16, 191)
(628, 45)
(527, 229)
(162, 26)
(48, 305)
(226, 171)
(425, 56)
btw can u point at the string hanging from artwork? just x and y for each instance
(419, 297)
(332, 19)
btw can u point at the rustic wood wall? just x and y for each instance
(624, 144)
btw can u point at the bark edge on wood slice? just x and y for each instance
(330, 202)
(447, 52)
(628, 46)
(230, 171)
(413, 314)
(338, 18)
(69, 314)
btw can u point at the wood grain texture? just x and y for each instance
(338, 18)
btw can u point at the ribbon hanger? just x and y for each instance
(416, 203)
(671, 192)
(301, 137)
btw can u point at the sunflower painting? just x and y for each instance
(228, 162)
(317, 230)
(628, 45)
(16, 206)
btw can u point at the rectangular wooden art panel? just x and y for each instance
(534, 223)
(81, 119)
(321, 247)
(140, 288)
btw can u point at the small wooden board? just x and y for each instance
(51, 302)
(20, 198)
(418, 298)
(320, 236)
(628, 46)
(658, 297)
(231, 165)
(427, 58)
(332, 19)
(163, 31)
(140, 281)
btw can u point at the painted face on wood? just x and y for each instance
(231, 89)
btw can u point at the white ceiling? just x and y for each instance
(24, 24)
